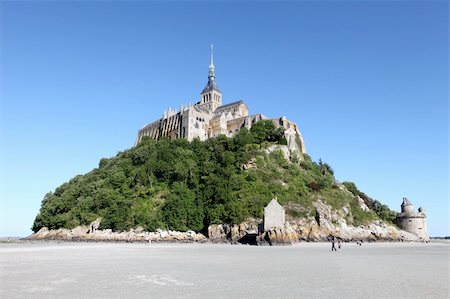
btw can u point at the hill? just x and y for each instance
(180, 185)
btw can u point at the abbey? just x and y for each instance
(209, 118)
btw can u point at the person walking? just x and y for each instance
(333, 241)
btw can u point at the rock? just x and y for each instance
(278, 147)
(219, 233)
(407, 236)
(84, 233)
(239, 232)
(362, 204)
(199, 238)
(278, 236)
(325, 215)
(80, 231)
(249, 165)
(94, 225)
(42, 233)
(216, 233)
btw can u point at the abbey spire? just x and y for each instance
(211, 97)
(211, 75)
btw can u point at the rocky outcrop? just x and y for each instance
(220, 233)
(91, 233)
(329, 222)
(284, 149)
(78, 234)
(217, 233)
(362, 204)
(249, 165)
(326, 222)
(278, 236)
(94, 225)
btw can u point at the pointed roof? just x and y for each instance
(211, 85)
(406, 202)
(274, 203)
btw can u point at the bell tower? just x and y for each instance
(211, 97)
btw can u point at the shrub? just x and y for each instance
(351, 187)
(314, 186)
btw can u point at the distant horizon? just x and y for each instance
(366, 82)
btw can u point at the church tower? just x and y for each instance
(211, 97)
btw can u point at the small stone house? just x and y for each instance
(274, 215)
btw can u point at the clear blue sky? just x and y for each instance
(366, 81)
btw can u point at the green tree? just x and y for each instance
(264, 130)
(180, 211)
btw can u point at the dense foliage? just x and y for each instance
(183, 185)
(381, 210)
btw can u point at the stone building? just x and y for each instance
(274, 216)
(209, 118)
(410, 221)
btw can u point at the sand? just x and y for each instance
(306, 270)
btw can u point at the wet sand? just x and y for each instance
(306, 270)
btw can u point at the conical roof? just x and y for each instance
(406, 202)
(210, 86)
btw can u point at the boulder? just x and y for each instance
(277, 236)
(94, 225)
(80, 231)
(216, 233)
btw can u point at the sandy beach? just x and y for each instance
(305, 270)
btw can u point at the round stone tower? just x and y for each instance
(412, 222)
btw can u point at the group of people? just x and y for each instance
(335, 240)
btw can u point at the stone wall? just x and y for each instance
(413, 224)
